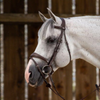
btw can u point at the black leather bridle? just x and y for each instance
(49, 63)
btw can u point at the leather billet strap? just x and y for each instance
(63, 28)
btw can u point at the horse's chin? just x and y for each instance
(38, 83)
(33, 85)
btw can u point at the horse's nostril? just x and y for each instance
(30, 74)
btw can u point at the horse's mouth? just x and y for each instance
(33, 85)
(37, 83)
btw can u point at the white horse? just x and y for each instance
(82, 34)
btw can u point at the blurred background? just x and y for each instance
(19, 24)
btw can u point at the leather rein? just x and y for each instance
(49, 63)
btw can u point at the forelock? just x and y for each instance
(43, 29)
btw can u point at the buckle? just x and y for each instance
(47, 69)
(60, 27)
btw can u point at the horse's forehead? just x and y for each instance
(45, 28)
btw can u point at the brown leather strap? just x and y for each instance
(66, 39)
(38, 56)
(55, 90)
(91, 92)
(62, 28)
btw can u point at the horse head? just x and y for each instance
(48, 37)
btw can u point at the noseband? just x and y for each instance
(49, 63)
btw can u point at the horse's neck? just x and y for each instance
(84, 39)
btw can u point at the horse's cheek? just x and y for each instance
(61, 60)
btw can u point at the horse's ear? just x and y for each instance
(43, 18)
(52, 15)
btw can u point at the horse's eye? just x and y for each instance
(51, 40)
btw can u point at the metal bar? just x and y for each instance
(28, 18)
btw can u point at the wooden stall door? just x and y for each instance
(85, 72)
(13, 53)
(62, 6)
